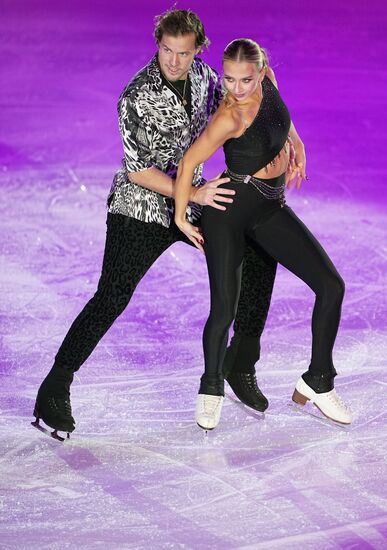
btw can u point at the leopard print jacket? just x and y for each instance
(156, 131)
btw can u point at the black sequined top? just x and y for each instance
(264, 138)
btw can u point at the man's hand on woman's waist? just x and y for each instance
(207, 194)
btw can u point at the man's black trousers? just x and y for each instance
(132, 246)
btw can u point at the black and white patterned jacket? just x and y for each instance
(156, 131)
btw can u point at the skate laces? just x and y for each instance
(67, 407)
(252, 381)
(337, 400)
(211, 403)
(59, 404)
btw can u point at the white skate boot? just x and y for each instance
(329, 403)
(208, 409)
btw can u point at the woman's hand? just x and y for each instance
(193, 233)
(297, 165)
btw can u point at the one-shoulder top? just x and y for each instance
(264, 138)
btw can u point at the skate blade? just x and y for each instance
(54, 434)
(205, 430)
(323, 419)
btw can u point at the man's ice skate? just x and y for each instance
(56, 413)
(244, 351)
(54, 434)
(245, 387)
(208, 409)
(329, 403)
(53, 404)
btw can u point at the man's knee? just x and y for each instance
(110, 303)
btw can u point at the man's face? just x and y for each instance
(176, 54)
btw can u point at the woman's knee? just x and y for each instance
(334, 288)
(338, 287)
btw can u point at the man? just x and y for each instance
(163, 109)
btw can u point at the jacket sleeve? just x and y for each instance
(217, 94)
(136, 137)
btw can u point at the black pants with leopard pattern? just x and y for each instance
(132, 246)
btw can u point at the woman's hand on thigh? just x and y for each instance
(193, 233)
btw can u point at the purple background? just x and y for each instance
(137, 472)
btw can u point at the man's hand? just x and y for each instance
(297, 165)
(193, 233)
(209, 193)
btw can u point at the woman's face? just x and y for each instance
(241, 78)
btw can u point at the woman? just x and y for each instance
(253, 124)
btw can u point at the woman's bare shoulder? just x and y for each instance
(227, 116)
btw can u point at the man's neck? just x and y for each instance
(183, 77)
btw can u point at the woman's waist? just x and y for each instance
(270, 166)
(274, 182)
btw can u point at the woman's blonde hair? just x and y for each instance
(245, 49)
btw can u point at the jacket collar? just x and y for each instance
(158, 87)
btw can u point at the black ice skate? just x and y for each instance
(244, 350)
(245, 387)
(53, 405)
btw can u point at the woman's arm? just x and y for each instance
(298, 171)
(222, 127)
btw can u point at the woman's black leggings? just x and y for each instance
(278, 231)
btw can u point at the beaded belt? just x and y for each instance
(268, 191)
